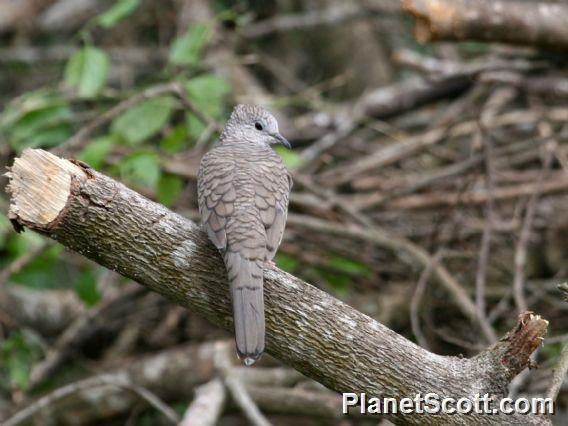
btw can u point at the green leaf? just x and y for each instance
(27, 103)
(20, 244)
(38, 119)
(95, 153)
(194, 127)
(186, 50)
(121, 10)
(175, 141)
(44, 272)
(350, 267)
(168, 189)
(19, 370)
(86, 289)
(87, 70)
(291, 159)
(141, 170)
(144, 120)
(19, 352)
(287, 262)
(49, 136)
(207, 92)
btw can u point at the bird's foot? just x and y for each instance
(270, 264)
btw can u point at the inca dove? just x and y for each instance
(243, 190)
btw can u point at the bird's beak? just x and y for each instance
(281, 140)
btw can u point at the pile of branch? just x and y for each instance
(444, 190)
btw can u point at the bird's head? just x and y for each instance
(253, 124)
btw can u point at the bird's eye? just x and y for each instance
(258, 126)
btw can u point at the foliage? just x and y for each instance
(141, 169)
(175, 140)
(187, 49)
(144, 120)
(207, 92)
(19, 352)
(168, 189)
(87, 71)
(286, 262)
(94, 154)
(291, 159)
(37, 119)
(121, 10)
(146, 133)
(339, 272)
(86, 288)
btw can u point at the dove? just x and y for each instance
(243, 190)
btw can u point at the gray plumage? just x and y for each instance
(243, 190)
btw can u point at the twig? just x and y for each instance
(438, 68)
(415, 143)
(206, 135)
(330, 16)
(417, 297)
(559, 373)
(522, 243)
(21, 262)
(400, 246)
(379, 103)
(105, 380)
(339, 13)
(207, 406)
(397, 244)
(174, 88)
(155, 402)
(132, 55)
(178, 89)
(79, 330)
(346, 126)
(238, 391)
(487, 229)
(494, 104)
(470, 198)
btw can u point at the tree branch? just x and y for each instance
(307, 329)
(527, 23)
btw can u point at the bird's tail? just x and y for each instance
(245, 278)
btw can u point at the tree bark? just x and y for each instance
(307, 328)
(536, 23)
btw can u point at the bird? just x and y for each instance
(243, 191)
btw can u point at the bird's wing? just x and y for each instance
(222, 186)
(272, 190)
(216, 195)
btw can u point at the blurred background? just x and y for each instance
(431, 187)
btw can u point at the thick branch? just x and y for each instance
(527, 23)
(48, 312)
(336, 14)
(307, 329)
